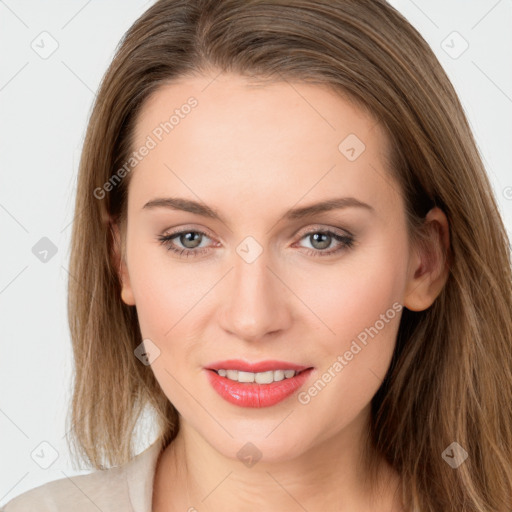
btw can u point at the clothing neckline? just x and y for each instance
(140, 475)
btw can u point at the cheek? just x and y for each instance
(164, 291)
(165, 296)
(363, 308)
(352, 295)
(351, 374)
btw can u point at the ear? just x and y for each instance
(428, 265)
(121, 266)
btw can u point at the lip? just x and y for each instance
(253, 394)
(261, 366)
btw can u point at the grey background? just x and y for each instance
(44, 108)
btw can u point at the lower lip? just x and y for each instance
(253, 394)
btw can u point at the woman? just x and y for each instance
(286, 244)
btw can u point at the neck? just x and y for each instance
(193, 476)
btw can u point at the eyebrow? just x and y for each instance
(191, 206)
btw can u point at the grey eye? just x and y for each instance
(320, 240)
(190, 239)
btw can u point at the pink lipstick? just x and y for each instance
(260, 384)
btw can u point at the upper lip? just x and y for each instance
(255, 367)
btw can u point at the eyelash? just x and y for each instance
(347, 242)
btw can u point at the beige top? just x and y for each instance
(127, 488)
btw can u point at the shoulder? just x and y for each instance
(94, 491)
(121, 488)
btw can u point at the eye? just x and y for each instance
(322, 239)
(187, 243)
(190, 240)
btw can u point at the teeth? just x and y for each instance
(245, 377)
(232, 374)
(278, 375)
(259, 378)
(264, 377)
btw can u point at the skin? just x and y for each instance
(251, 153)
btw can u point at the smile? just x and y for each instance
(256, 384)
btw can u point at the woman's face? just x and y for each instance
(273, 280)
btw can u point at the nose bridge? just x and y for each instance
(255, 302)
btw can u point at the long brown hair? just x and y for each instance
(450, 379)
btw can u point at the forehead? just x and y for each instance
(245, 141)
(276, 111)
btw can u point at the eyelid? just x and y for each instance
(180, 229)
(322, 227)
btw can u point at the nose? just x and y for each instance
(256, 303)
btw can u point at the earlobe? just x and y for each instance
(127, 295)
(121, 267)
(429, 268)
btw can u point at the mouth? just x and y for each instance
(256, 384)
